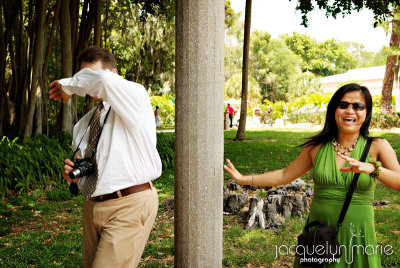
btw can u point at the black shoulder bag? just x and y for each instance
(320, 246)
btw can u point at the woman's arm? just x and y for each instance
(296, 169)
(389, 172)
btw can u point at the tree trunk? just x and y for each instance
(13, 35)
(3, 52)
(23, 67)
(35, 94)
(240, 135)
(46, 60)
(85, 28)
(51, 39)
(38, 111)
(67, 63)
(106, 22)
(74, 18)
(97, 24)
(96, 42)
(387, 88)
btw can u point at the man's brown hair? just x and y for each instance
(94, 54)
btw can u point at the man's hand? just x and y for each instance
(56, 92)
(68, 167)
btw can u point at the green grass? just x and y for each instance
(43, 228)
(39, 232)
(258, 247)
(387, 218)
(263, 150)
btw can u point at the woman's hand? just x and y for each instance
(230, 168)
(357, 166)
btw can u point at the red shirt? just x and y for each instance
(230, 109)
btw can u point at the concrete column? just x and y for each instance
(199, 133)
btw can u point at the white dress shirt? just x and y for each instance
(126, 152)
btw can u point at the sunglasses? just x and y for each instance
(358, 106)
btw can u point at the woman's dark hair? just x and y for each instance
(330, 129)
(93, 54)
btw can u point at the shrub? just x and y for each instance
(277, 110)
(377, 99)
(166, 149)
(316, 118)
(37, 163)
(167, 108)
(385, 120)
(59, 193)
(319, 101)
(307, 109)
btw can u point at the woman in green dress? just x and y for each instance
(333, 155)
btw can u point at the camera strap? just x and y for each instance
(84, 133)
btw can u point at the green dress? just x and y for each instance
(357, 233)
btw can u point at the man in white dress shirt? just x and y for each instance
(119, 214)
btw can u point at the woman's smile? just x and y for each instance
(351, 112)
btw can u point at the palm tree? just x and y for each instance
(246, 47)
(391, 63)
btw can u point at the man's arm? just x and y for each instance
(57, 93)
(126, 98)
(82, 83)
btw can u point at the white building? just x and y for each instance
(371, 77)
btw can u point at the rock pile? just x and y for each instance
(271, 211)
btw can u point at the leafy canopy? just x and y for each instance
(380, 8)
(321, 58)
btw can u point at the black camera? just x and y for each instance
(82, 167)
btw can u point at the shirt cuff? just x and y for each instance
(63, 83)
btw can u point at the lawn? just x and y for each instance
(43, 228)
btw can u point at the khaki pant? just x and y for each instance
(115, 231)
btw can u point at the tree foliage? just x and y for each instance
(143, 41)
(384, 10)
(43, 38)
(380, 8)
(274, 69)
(321, 58)
(233, 86)
(364, 58)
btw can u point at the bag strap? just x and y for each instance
(312, 224)
(349, 194)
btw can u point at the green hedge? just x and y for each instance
(316, 118)
(40, 161)
(385, 120)
(37, 163)
(166, 103)
(166, 149)
(312, 109)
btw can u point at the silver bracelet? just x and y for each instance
(252, 179)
